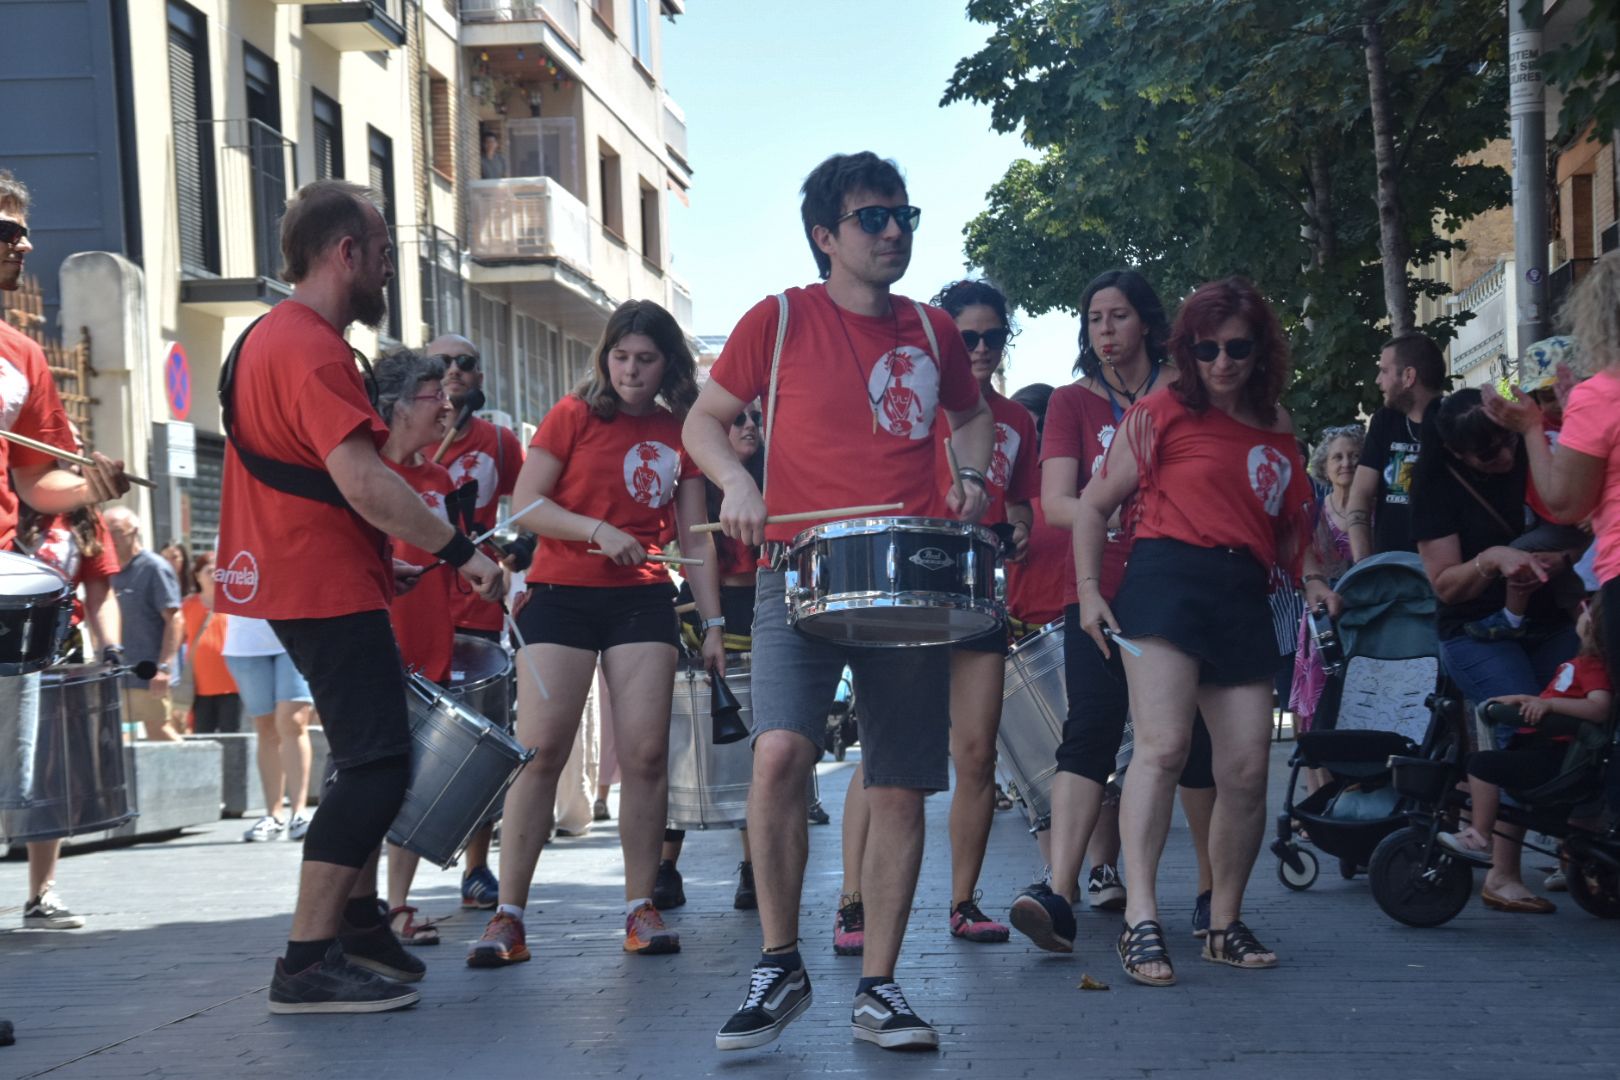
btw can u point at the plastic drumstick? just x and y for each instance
(528, 661)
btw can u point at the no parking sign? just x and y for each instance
(177, 382)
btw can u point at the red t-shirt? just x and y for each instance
(857, 397)
(1081, 425)
(493, 456)
(1036, 586)
(29, 406)
(421, 617)
(623, 471)
(1210, 480)
(734, 556)
(1577, 678)
(58, 546)
(1014, 474)
(298, 394)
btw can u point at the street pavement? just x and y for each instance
(168, 979)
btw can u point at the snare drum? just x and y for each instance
(36, 610)
(708, 784)
(78, 779)
(461, 766)
(893, 582)
(481, 678)
(1035, 702)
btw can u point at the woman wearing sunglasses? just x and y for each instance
(1216, 495)
(1123, 330)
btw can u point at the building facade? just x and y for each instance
(158, 203)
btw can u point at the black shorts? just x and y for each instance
(357, 679)
(991, 641)
(596, 618)
(736, 607)
(1211, 603)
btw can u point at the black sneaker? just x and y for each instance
(1104, 889)
(1200, 918)
(775, 999)
(668, 889)
(8, 1034)
(882, 1016)
(746, 899)
(817, 815)
(377, 949)
(335, 986)
(1045, 918)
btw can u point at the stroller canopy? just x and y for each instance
(1389, 608)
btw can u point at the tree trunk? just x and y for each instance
(1391, 236)
(1323, 230)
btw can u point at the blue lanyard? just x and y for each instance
(1113, 403)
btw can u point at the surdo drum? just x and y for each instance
(36, 609)
(892, 582)
(481, 679)
(74, 778)
(708, 784)
(461, 766)
(1035, 703)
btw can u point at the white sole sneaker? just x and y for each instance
(898, 1040)
(765, 1035)
(283, 1008)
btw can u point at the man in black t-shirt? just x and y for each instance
(1411, 376)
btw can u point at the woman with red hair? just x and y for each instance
(1216, 495)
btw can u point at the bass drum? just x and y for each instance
(708, 784)
(481, 679)
(74, 778)
(1035, 703)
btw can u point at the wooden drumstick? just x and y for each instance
(654, 557)
(810, 515)
(956, 471)
(66, 455)
(682, 609)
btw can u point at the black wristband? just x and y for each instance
(457, 551)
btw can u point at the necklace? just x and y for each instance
(1130, 395)
(854, 357)
(1410, 434)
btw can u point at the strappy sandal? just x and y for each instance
(1238, 943)
(1141, 945)
(425, 932)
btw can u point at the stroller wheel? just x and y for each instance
(1301, 877)
(1348, 868)
(1595, 887)
(1416, 882)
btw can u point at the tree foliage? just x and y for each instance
(1587, 70)
(1200, 138)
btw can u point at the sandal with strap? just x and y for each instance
(1141, 945)
(425, 932)
(1238, 943)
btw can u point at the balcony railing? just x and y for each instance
(528, 218)
(1484, 338)
(229, 209)
(563, 14)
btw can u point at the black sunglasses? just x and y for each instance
(874, 219)
(1238, 349)
(994, 340)
(12, 231)
(464, 361)
(745, 416)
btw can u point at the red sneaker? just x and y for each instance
(645, 933)
(503, 943)
(971, 924)
(849, 927)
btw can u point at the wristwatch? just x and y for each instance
(717, 621)
(165, 668)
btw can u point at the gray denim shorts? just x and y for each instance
(902, 695)
(19, 733)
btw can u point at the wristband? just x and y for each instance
(592, 538)
(974, 475)
(457, 552)
(1482, 573)
(1308, 578)
(718, 622)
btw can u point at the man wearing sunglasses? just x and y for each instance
(488, 456)
(29, 405)
(860, 379)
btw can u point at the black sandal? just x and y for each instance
(1238, 943)
(1143, 944)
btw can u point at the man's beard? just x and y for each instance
(369, 307)
(1401, 400)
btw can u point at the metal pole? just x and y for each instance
(1528, 120)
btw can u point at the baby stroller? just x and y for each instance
(1383, 666)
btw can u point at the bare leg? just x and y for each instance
(292, 726)
(671, 850)
(780, 831)
(402, 863)
(271, 771)
(323, 888)
(1239, 721)
(642, 676)
(42, 859)
(889, 874)
(477, 853)
(857, 816)
(1076, 805)
(1199, 805)
(976, 679)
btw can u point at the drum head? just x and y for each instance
(894, 623)
(23, 577)
(474, 660)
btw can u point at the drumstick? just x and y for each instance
(1123, 642)
(499, 525)
(66, 455)
(810, 515)
(528, 661)
(682, 609)
(654, 557)
(956, 470)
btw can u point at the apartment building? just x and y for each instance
(163, 137)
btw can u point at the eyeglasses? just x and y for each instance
(745, 416)
(464, 361)
(441, 397)
(13, 231)
(874, 219)
(1237, 349)
(994, 340)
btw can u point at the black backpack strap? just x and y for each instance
(285, 477)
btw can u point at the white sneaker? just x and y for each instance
(47, 912)
(266, 828)
(297, 827)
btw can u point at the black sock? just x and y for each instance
(301, 954)
(361, 912)
(867, 982)
(787, 961)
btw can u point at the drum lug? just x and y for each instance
(790, 585)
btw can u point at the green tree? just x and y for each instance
(1587, 70)
(1200, 138)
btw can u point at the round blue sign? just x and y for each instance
(177, 382)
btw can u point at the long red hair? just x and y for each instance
(1201, 314)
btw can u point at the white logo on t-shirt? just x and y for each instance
(434, 501)
(1003, 455)
(479, 466)
(1269, 474)
(13, 393)
(650, 470)
(239, 578)
(905, 385)
(60, 549)
(1565, 677)
(1105, 439)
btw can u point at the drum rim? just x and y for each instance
(843, 602)
(1032, 640)
(35, 566)
(869, 526)
(479, 644)
(80, 674)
